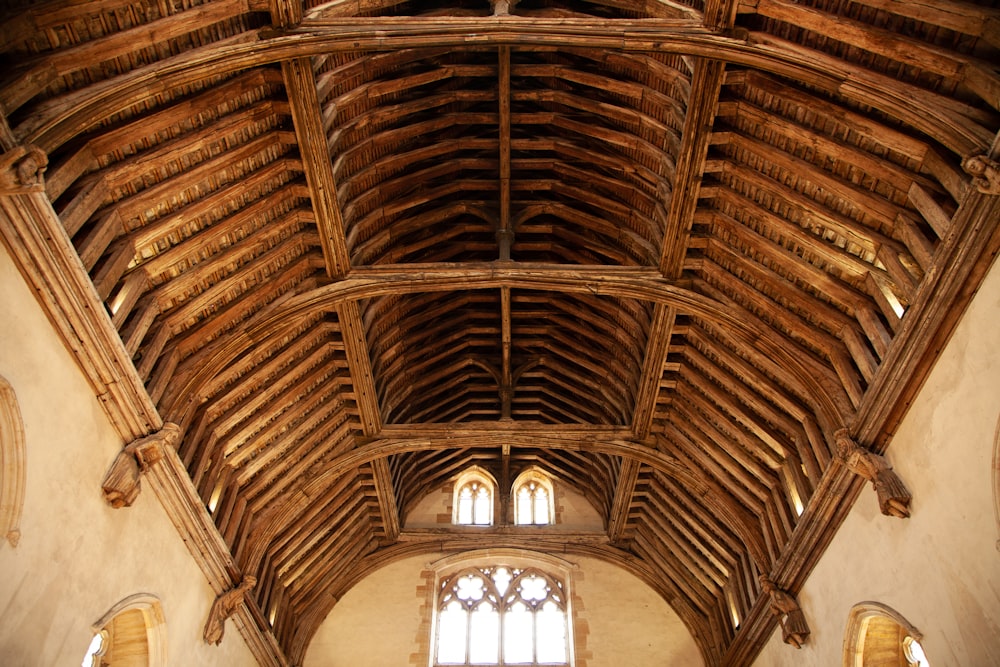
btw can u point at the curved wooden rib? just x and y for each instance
(474, 258)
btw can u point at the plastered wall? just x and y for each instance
(939, 569)
(618, 620)
(77, 557)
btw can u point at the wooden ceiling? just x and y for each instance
(661, 250)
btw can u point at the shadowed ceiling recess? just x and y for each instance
(661, 250)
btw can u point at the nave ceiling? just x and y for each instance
(661, 250)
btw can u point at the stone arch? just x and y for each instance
(533, 476)
(12, 473)
(135, 632)
(878, 635)
(996, 479)
(474, 475)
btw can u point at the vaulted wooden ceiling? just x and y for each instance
(662, 250)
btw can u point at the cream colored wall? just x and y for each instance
(77, 557)
(376, 623)
(619, 620)
(627, 622)
(940, 569)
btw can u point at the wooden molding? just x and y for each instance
(43, 253)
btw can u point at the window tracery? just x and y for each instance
(473, 499)
(501, 615)
(533, 499)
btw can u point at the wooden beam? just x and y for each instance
(45, 256)
(386, 499)
(301, 85)
(912, 52)
(705, 86)
(641, 283)
(628, 475)
(503, 99)
(358, 361)
(54, 122)
(657, 347)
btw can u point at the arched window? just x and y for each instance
(501, 615)
(11, 465)
(878, 635)
(129, 635)
(472, 504)
(533, 502)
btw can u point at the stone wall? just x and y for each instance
(939, 569)
(76, 557)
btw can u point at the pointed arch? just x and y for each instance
(534, 498)
(12, 473)
(134, 632)
(474, 498)
(878, 634)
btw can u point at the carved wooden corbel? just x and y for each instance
(502, 7)
(225, 606)
(893, 496)
(794, 628)
(21, 170)
(121, 483)
(985, 173)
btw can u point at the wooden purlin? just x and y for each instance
(300, 81)
(780, 299)
(706, 82)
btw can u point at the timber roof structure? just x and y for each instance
(663, 250)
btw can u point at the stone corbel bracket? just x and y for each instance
(985, 173)
(21, 170)
(121, 483)
(893, 496)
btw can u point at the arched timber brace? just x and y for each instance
(663, 253)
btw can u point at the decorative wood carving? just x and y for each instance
(225, 606)
(121, 483)
(893, 496)
(985, 173)
(502, 7)
(682, 246)
(794, 629)
(21, 170)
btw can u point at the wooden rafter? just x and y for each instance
(729, 245)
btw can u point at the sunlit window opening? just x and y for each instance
(97, 647)
(533, 503)
(475, 505)
(915, 653)
(879, 635)
(473, 500)
(501, 616)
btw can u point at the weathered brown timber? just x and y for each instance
(662, 253)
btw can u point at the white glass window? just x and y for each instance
(533, 500)
(98, 645)
(474, 502)
(501, 616)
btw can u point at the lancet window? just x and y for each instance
(473, 500)
(533, 504)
